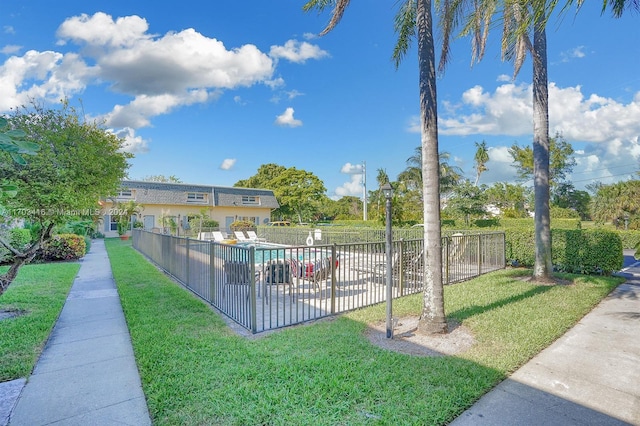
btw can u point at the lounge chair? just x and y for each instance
(254, 237)
(314, 272)
(205, 236)
(240, 236)
(217, 236)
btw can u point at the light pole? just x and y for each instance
(387, 190)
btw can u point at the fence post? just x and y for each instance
(479, 254)
(447, 260)
(401, 269)
(333, 279)
(187, 261)
(252, 281)
(212, 272)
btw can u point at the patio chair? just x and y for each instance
(314, 272)
(217, 236)
(254, 237)
(237, 276)
(241, 237)
(278, 271)
(205, 236)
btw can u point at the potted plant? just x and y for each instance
(123, 226)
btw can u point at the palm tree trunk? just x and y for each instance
(543, 263)
(432, 320)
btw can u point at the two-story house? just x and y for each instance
(174, 203)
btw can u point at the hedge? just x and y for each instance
(591, 251)
(64, 247)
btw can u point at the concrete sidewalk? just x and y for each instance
(87, 374)
(590, 376)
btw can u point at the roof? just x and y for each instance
(176, 193)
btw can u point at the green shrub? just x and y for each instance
(487, 223)
(563, 213)
(64, 247)
(19, 238)
(630, 239)
(205, 222)
(592, 251)
(87, 243)
(242, 225)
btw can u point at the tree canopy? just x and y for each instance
(299, 193)
(561, 160)
(77, 163)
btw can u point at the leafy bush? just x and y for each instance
(64, 247)
(242, 225)
(563, 213)
(197, 223)
(630, 239)
(592, 251)
(18, 238)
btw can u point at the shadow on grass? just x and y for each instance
(470, 311)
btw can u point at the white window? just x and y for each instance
(125, 193)
(250, 199)
(252, 219)
(196, 197)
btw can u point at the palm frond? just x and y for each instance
(339, 7)
(405, 27)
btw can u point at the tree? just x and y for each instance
(616, 203)
(480, 159)
(414, 20)
(566, 196)
(509, 198)
(299, 193)
(13, 141)
(467, 200)
(412, 175)
(162, 178)
(520, 18)
(561, 161)
(263, 178)
(77, 164)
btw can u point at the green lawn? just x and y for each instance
(39, 292)
(195, 370)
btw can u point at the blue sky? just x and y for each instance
(209, 91)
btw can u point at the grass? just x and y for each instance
(195, 370)
(39, 292)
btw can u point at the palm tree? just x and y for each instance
(412, 175)
(519, 17)
(481, 158)
(414, 19)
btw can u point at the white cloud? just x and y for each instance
(353, 187)
(503, 78)
(508, 111)
(8, 29)
(137, 113)
(172, 70)
(297, 52)
(228, 163)
(10, 49)
(58, 76)
(576, 52)
(286, 119)
(132, 143)
(351, 169)
(291, 94)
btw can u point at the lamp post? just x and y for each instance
(387, 190)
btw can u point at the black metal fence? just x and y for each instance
(263, 286)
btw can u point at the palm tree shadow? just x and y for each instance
(470, 311)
